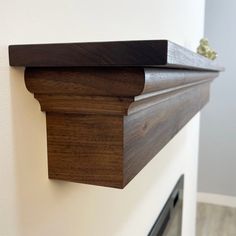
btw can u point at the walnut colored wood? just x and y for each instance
(86, 148)
(102, 132)
(148, 131)
(105, 122)
(146, 53)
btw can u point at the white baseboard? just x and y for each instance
(217, 199)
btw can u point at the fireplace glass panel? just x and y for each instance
(169, 222)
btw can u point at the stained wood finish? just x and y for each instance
(146, 132)
(147, 53)
(112, 90)
(102, 132)
(85, 148)
(106, 121)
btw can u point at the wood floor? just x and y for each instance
(214, 220)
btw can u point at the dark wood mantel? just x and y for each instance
(112, 106)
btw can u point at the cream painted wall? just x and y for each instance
(32, 205)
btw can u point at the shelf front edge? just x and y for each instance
(142, 53)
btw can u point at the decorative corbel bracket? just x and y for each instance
(112, 106)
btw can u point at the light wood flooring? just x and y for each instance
(214, 220)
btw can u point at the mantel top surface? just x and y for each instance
(148, 53)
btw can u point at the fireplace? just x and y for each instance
(169, 222)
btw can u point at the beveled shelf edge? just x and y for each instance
(143, 53)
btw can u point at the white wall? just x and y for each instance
(217, 165)
(32, 205)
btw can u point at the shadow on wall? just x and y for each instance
(64, 208)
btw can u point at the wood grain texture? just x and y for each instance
(107, 91)
(85, 148)
(147, 53)
(110, 150)
(148, 131)
(105, 124)
(122, 82)
(112, 106)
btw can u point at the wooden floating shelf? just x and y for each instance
(112, 106)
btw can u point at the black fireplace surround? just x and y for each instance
(169, 222)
